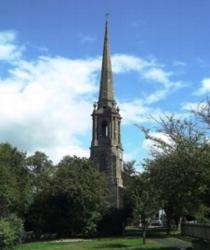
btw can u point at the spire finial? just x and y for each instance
(106, 86)
(107, 16)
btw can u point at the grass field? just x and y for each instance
(128, 243)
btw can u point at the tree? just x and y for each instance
(80, 180)
(128, 173)
(178, 168)
(15, 189)
(144, 200)
(203, 113)
(41, 169)
(71, 199)
(140, 199)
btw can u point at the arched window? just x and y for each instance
(104, 129)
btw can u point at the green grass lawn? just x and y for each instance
(126, 243)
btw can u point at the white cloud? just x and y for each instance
(156, 96)
(134, 112)
(190, 106)
(205, 87)
(124, 63)
(45, 104)
(158, 75)
(86, 38)
(131, 155)
(137, 111)
(9, 50)
(150, 70)
(180, 64)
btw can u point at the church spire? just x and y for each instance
(106, 95)
(106, 147)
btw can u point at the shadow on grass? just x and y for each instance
(156, 248)
(127, 247)
(113, 246)
(149, 234)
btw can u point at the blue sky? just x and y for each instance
(50, 58)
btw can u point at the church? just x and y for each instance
(106, 147)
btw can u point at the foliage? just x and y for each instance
(128, 173)
(71, 198)
(140, 199)
(41, 169)
(129, 168)
(112, 222)
(203, 214)
(41, 172)
(203, 113)
(11, 229)
(143, 199)
(179, 169)
(14, 181)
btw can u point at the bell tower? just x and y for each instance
(106, 147)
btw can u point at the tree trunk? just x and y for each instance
(180, 223)
(144, 230)
(168, 225)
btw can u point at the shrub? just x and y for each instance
(112, 223)
(90, 228)
(10, 232)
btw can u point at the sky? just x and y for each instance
(50, 61)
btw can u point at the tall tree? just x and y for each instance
(41, 169)
(14, 181)
(74, 198)
(144, 200)
(129, 172)
(202, 113)
(178, 168)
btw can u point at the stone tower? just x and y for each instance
(106, 147)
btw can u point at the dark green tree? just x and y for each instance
(129, 176)
(178, 169)
(41, 169)
(202, 114)
(74, 198)
(144, 200)
(129, 172)
(15, 189)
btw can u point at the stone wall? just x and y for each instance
(201, 231)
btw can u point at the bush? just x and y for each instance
(11, 229)
(112, 223)
(90, 228)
